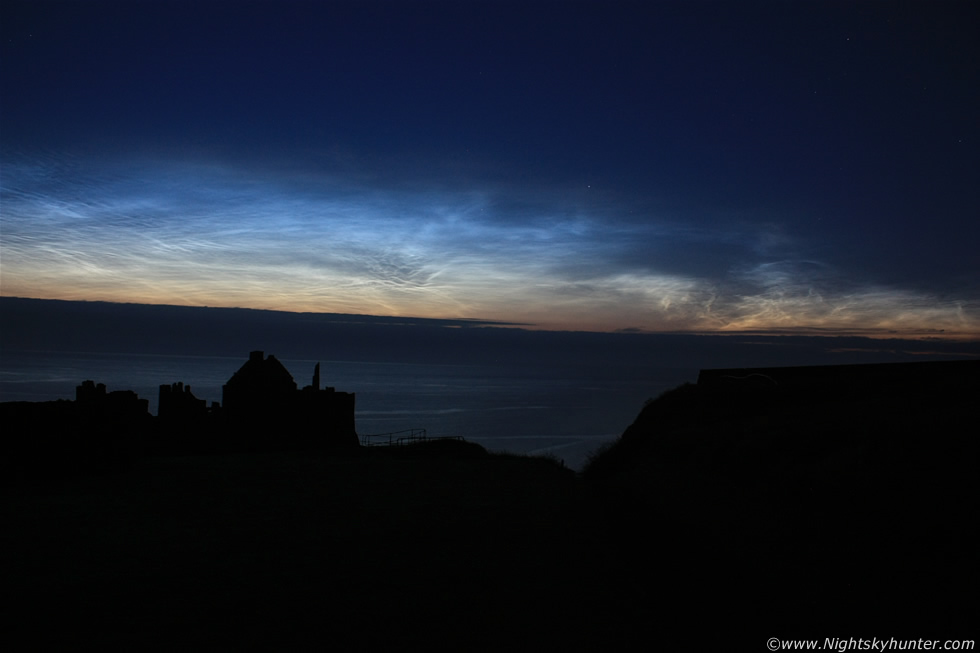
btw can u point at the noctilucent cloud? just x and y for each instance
(695, 166)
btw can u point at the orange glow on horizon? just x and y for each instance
(540, 320)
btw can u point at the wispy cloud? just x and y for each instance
(165, 231)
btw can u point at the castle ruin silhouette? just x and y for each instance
(261, 409)
(262, 402)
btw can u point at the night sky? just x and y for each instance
(695, 166)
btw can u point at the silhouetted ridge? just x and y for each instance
(841, 495)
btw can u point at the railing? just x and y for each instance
(394, 438)
(397, 438)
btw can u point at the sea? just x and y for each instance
(565, 411)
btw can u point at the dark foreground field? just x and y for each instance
(272, 551)
(726, 513)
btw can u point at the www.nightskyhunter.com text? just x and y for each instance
(873, 644)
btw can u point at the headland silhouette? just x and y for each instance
(758, 502)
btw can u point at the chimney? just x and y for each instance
(256, 356)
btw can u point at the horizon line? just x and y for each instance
(873, 333)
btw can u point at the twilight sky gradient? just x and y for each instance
(704, 166)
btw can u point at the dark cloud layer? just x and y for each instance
(51, 325)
